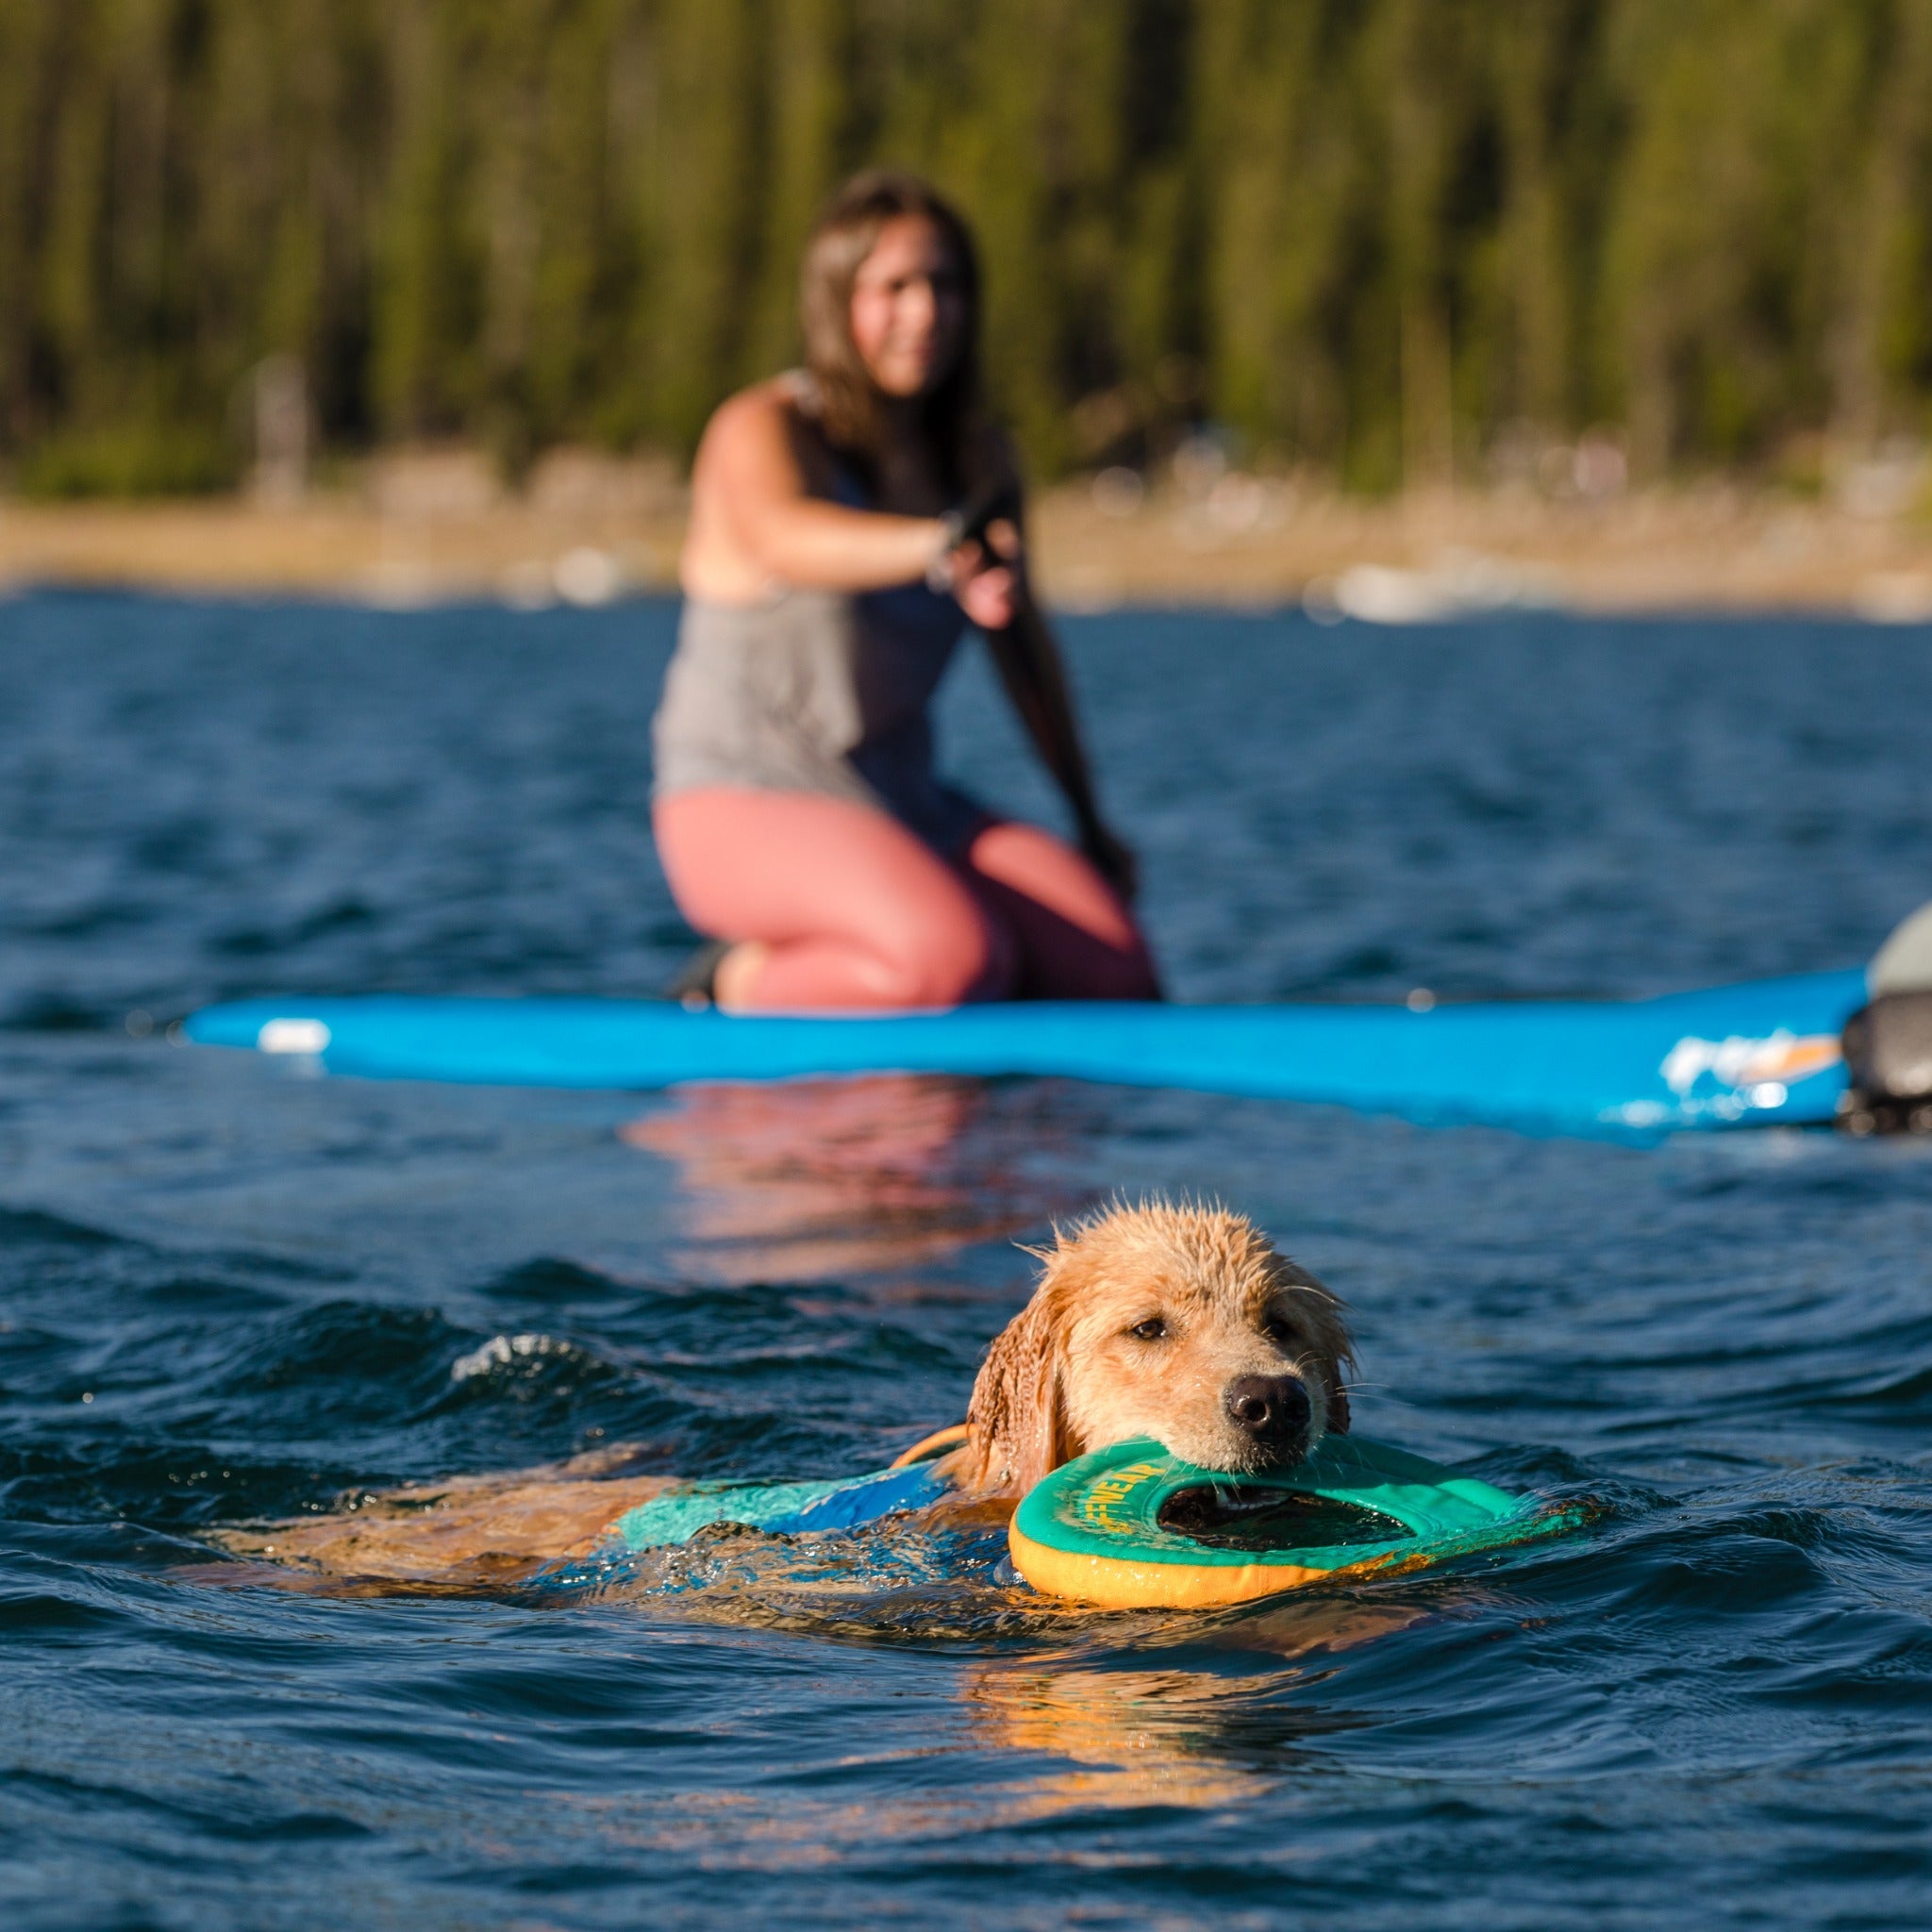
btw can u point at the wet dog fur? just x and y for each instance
(1183, 1324)
(1145, 1322)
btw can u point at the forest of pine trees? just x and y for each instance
(1379, 237)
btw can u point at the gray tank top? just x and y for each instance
(815, 690)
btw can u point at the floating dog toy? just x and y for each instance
(1132, 1527)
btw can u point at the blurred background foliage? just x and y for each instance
(1380, 237)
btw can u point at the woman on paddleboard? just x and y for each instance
(848, 522)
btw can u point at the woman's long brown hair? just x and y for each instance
(848, 400)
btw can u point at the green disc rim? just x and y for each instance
(1108, 1505)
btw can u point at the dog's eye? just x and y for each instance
(1279, 1329)
(1152, 1329)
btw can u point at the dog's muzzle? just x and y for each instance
(1274, 1409)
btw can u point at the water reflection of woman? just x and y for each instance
(816, 1179)
(828, 1179)
(798, 814)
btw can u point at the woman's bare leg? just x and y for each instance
(1077, 939)
(849, 909)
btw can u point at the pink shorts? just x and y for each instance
(859, 913)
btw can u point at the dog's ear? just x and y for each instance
(1017, 1417)
(1336, 1352)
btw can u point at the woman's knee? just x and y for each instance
(841, 887)
(946, 955)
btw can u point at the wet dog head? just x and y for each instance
(1182, 1324)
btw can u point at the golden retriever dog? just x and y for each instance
(1183, 1324)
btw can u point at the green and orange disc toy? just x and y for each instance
(1132, 1527)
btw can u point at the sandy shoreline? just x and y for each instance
(1246, 543)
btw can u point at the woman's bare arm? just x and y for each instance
(754, 522)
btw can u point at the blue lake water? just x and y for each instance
(228, 1291)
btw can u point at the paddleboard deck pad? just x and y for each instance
(1762, 1052)
(1132, 1527)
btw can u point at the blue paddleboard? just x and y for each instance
(1762, 1052)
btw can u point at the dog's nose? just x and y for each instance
(1274, 1409)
